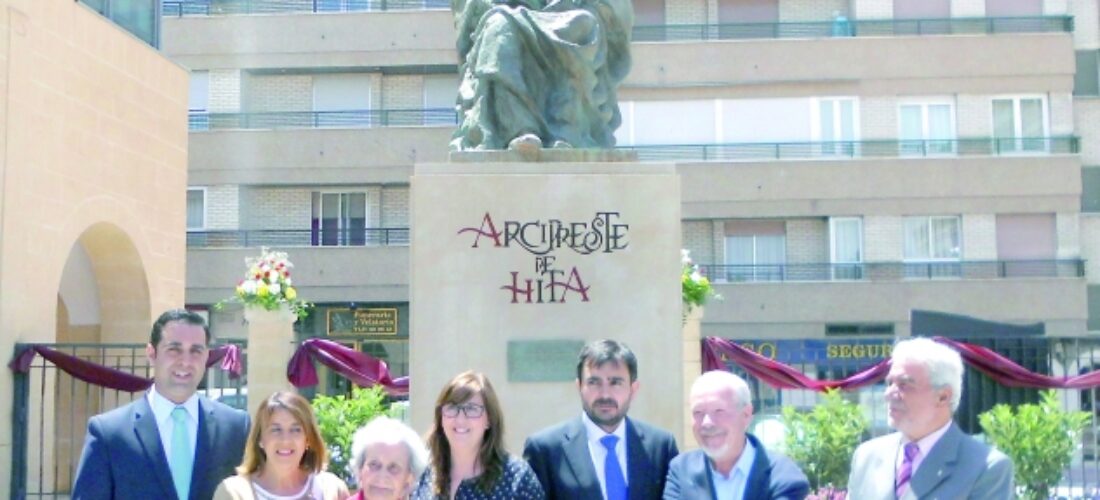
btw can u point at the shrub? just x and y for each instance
(823, 440)
(1040, 439)
(338, 417)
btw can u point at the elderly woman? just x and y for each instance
(284, 457)
(388, 456)
(468, 460)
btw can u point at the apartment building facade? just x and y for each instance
(843, 162)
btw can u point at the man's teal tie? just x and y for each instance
(181, 461)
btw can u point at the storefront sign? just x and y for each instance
(812, 351)
(366, 321)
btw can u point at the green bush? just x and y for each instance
(823, 440)
(1040, 439)
(338, 417)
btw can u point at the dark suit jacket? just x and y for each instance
(123, 457)
(772, 476)
(957, 466)
(559, 455)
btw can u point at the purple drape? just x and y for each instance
(227, 357)
(1001, 369)
(361, 368)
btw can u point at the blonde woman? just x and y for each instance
(284, 458)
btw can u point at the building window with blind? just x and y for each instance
(835, 124)
(933, 246)
(196, 209)
(926, 128)
(340, 219)
(846, 248)
(756, 250)
(1020, 124)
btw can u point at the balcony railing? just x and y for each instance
(198, 121)
(179, 8)
(757, 151)
(245, 238)
(896, 271)
(848, 28)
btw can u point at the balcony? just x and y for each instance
(366, 118)
(321, 274)
(855, 28)
(287, 238)
(895, 271)
(179, 8)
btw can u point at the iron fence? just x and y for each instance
(244, 238)
(180, 8)
(837, 358)
(362, 118)
(938, 148)
(51, 411)
(854, 28)
(895, 271)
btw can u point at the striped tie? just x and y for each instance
(906, 471)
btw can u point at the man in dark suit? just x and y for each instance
(170, 443)
(602, 453)
(732, 463)
(929, 456)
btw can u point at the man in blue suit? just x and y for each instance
(171, 443)
(929, 456)
(732, 463)
(602, 454)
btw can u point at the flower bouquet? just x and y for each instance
(268, 285)
(696, 288)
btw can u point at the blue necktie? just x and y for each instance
(180, 462)
(612, 474)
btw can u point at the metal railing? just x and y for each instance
(365, 118)
(850, 28)
(979, 146)
(895, 271)
(51, 410)
(827, 358)
(180, 8)
(247, 238)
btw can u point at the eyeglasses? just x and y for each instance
(471, 410)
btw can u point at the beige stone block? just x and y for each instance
(632, 293)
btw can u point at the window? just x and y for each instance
(1019, 124)
(755, 250)
(846, 247)
(1027, 245)
(198, 101)
(1013, 8)
(835, 125)
(196, 209)
(339, 219)
(926, 128)
(440, 94)
(922, 9)
(932, 246)
(341, 100)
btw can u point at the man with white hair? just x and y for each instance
(732, 463)
(929, 456)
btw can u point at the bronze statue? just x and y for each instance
(540, 73)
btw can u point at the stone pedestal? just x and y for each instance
(270, 346)
(693, 367)
(515, 265)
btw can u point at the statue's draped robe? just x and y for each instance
(548, 69)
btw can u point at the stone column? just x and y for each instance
(693, 367)
(270, 346)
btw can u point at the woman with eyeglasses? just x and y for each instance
(466, 448)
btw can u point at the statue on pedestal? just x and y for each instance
(540, 73)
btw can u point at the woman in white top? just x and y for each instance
(284, 458)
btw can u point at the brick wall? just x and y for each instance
(883, 238)
(968, 8)
(810, 10)
(1061, 113)
(1086, 118)
(686, 12)
(698, 238)
(276, 208)
(225, 91)
(395, 206)
(223, 207)
(974, 115)
(979, 237)
(1090, 246)
(807, 241)
(718, 241)
(872, 9)
(1069, 234)
(878, 117)
(1086, 17)
(279, 93)
(402, 92)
